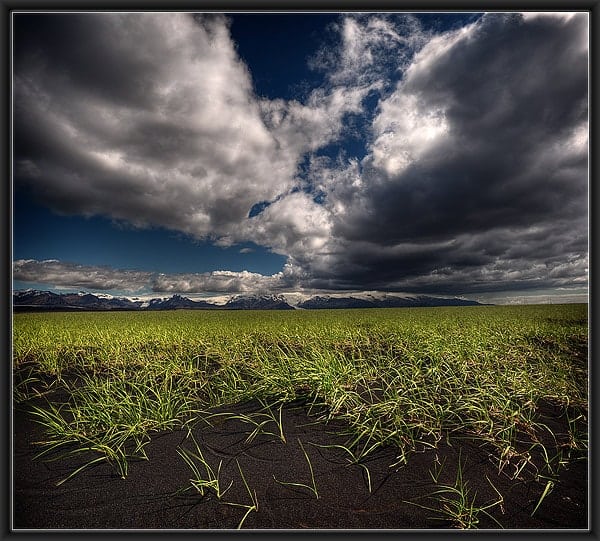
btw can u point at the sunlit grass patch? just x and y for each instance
(395, 378)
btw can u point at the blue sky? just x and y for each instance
(211, 154)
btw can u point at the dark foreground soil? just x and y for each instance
(151, 496)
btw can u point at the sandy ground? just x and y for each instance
(152, 495)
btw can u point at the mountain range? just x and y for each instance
(35, 300)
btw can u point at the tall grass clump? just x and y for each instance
(112, 417)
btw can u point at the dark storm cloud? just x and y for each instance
(146, 118)
(152, 119)
(513, 96)
(86, 51)
(478, 161)
(496, 260)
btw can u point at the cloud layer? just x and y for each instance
(67, 275)
(474, 175)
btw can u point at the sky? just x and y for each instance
(208, 154)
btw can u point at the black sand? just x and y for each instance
(151, 497)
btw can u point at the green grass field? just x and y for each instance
(403, 377)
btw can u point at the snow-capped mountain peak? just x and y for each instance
(46, 300)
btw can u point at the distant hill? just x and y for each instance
(176, 302)
(257, 302)
(324, 302)
(35, 300)
(46, 300)
(384, 301)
